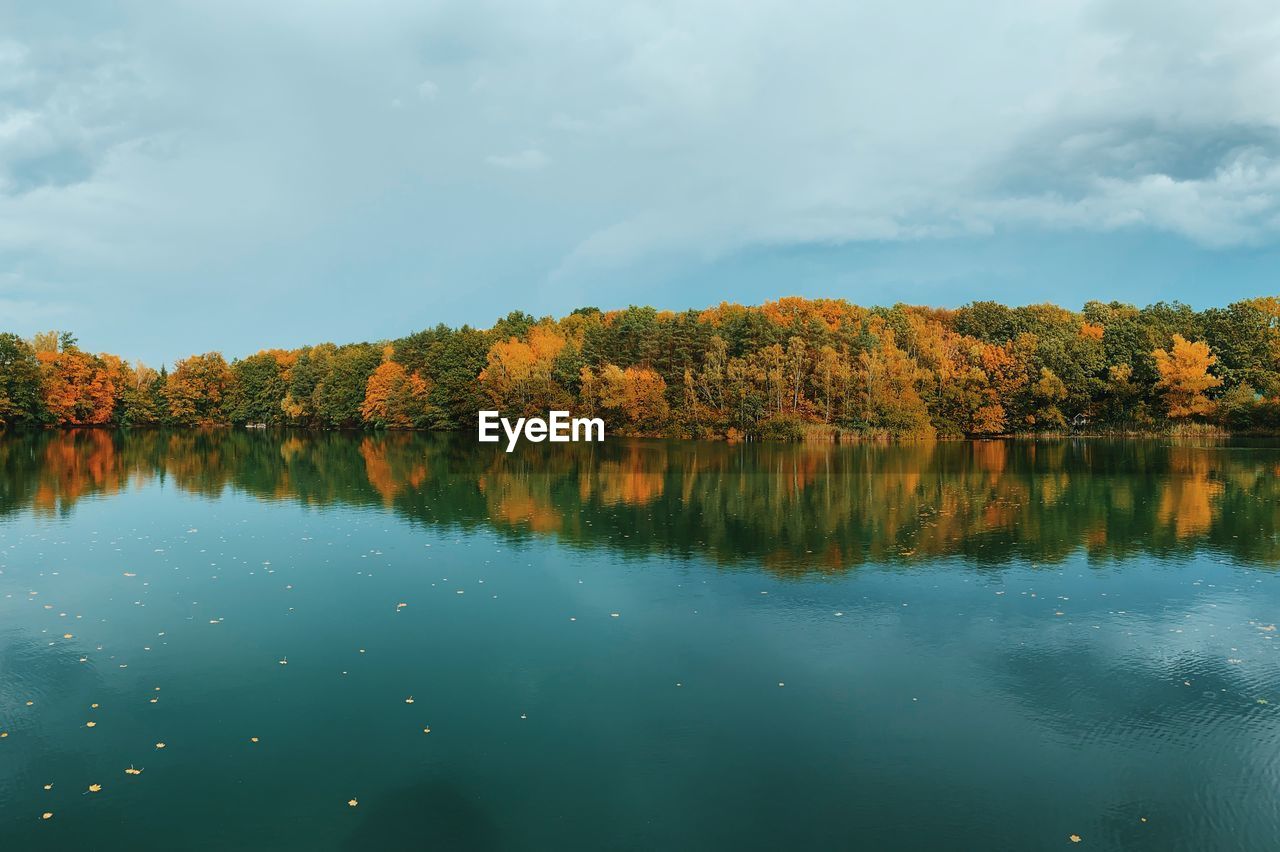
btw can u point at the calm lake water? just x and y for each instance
(636, 645)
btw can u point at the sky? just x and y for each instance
(189, 176)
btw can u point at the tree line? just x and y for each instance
(786, 369)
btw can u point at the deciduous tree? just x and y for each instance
(1185, 377)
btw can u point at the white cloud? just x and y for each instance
(527, 160)
(170, 143)
(696, 127)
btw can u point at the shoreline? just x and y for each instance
(849, 437)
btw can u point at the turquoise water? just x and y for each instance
(637, 645)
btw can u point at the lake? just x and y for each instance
(377, 641)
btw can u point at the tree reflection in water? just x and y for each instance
(790, 508)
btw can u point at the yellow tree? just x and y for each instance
(646, 398)
(831, 376)
(1184, 377)
(1046, 394)
(886, 389)
(517, 375)
(636, 396)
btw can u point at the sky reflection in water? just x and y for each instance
(636, 645)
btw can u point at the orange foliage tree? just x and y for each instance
(396, 398)
(636, 396)
(1184, 377)
(196, 389)
(77, 387)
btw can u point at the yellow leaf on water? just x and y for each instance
(353, 802)
(1075, 838)
(253, 739)
(95, 788)
(159, 745)
(67, 636)
(91, 724)
(409, 700)
(46, 815)
(132, 771)
(48, 786)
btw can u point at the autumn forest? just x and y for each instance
(791, 369)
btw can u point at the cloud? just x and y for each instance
(527, 160)
(698, 128)
(194, 144)
(1237, 204)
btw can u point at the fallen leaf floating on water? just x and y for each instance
(351, 803)
(48, 786)
(67, 636)
(91, 724)
(159, 745)
(132, 771)
(409, 700)
(95, 788)
(253, 739)
(1075, 838)
(426, 730)
(46, 815)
